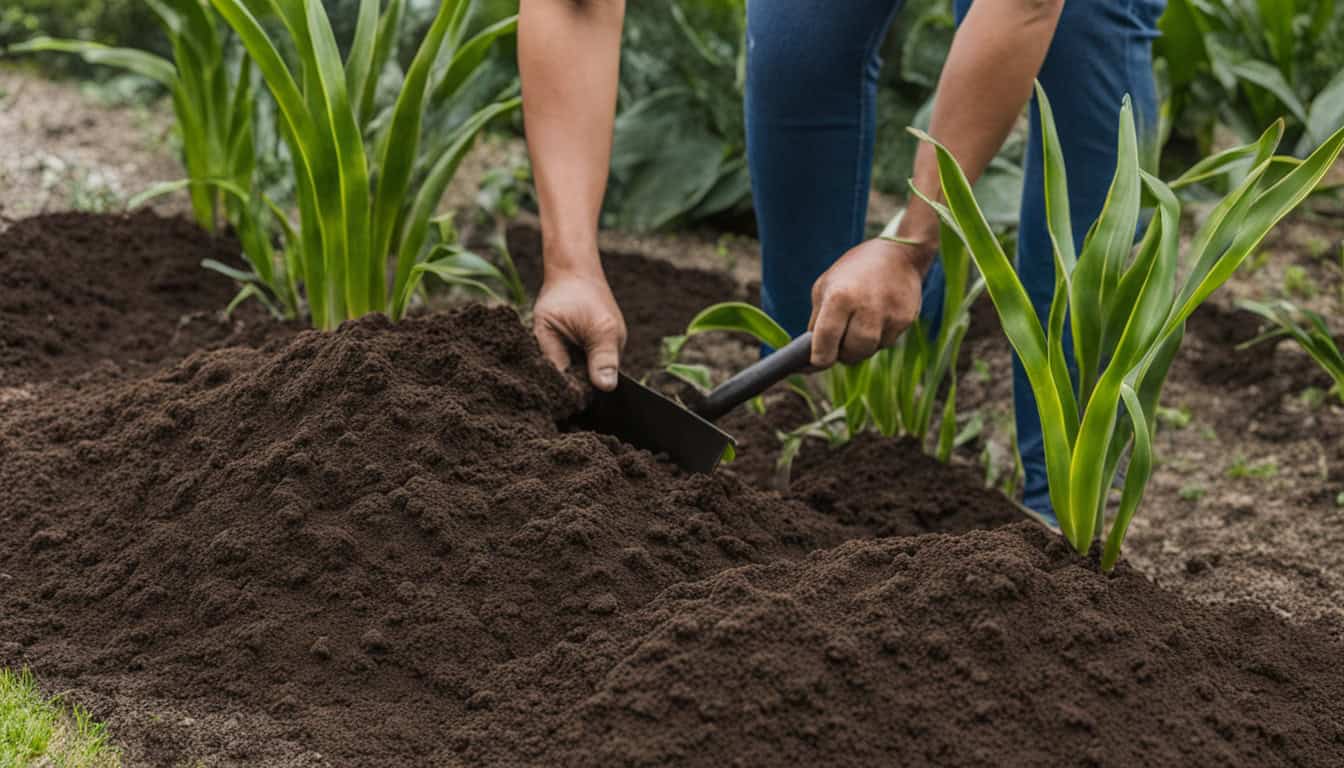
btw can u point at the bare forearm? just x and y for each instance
(995, 57)
(569, 60)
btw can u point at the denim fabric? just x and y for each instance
(811, 110)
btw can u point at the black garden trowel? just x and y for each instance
(646, 419)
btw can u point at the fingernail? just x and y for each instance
(606, 378)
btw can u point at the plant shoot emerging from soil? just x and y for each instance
(1123, 307)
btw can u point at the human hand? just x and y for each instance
(866, 300)
(579, 309)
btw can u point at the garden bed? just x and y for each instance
(243, 544)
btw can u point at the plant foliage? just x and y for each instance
(1126, 307)
(367, 179)
(1247, 63)
(680, 146)
(1308, 329)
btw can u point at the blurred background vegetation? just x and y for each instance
(1229, 66)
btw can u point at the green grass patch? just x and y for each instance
(1241, 469)
(35, 730)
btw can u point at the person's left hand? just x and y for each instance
(866, 300)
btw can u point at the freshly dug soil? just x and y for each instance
(881, 484)
(348, 533)
(376, 547)
(990, 648)
(82, 290)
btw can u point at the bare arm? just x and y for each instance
(569, 60)
(995, 57)
(872, 294)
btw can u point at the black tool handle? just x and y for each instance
(791, 359)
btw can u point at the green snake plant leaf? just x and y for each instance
(1309, 329)
(1136, 477)
(697, 376)
(1265, 211)
(1019, 320)
(361, 61)
(415, 227)
(1104, 254)
(469, 57)
(399, 152)
(148, 65)
(388, 27)
(458, 266)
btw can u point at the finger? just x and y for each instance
(818, 298)
(862, 336)
(604, 360)
(827, 332)
(553, 345)
(891, 334)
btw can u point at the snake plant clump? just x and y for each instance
(1126, 307)
(367, 181)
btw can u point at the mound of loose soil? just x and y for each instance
(991, 648)
(79, 289)
(376, 547)
(349, 532)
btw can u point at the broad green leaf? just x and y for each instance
(1018, 318)
(1265, 211)
(1325, 115)
(697, 376)
(359, 65)
(1104, 254)
(738, 317)
(1266, 76)
(388, 27)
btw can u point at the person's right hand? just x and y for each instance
(579, 310)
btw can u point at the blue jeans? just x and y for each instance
(811, 113)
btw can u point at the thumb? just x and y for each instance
(604, 359)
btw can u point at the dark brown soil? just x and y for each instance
(376, 547)
(373, 518)
(990, 648)
(878, 483)
(78, 291)
(657, 298)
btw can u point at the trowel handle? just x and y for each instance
(793, 358)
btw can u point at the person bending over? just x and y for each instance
(811, 91)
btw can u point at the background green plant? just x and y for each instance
(1125, 308)
(679, 154)
(1309, 329)
(368, 177)
(1246, 63)
(128, 23)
